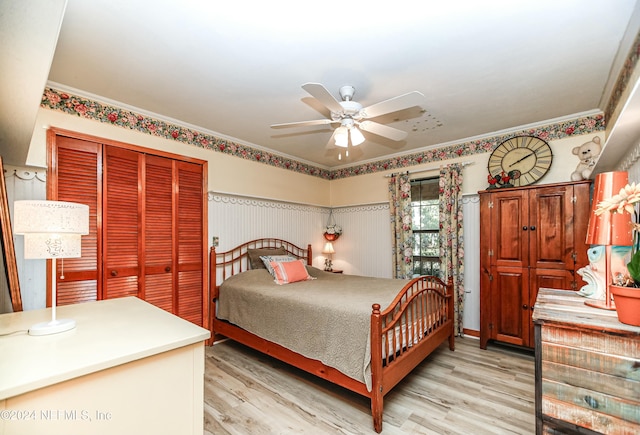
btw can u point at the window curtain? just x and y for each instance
(401, 232)
(451, 236)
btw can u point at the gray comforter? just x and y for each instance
(327, 319)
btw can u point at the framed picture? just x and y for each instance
(10, 278)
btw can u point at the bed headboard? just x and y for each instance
(229, 263)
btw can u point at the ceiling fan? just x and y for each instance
(352, 116)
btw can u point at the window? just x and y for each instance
(426, 226)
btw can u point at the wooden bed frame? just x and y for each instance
(387, 368)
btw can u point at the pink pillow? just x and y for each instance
(286, 272)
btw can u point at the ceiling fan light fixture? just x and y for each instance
(356, 136)
(342, 137)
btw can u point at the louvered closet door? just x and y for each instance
(158, 280)
(190, 241)
(121, 223)
(76, 176)
(147, 224)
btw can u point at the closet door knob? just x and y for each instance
(524, 228)
(525, 306)
(167, 269)
(114, 273)
(533, 228)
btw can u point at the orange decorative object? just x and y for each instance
(331, 237)
(612, 229)
(608, 229)
(627, 304)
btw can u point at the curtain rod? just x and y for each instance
(432, 168)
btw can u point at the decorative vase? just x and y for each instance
(627, 300)
(331, 237)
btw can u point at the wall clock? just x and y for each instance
(525, 159)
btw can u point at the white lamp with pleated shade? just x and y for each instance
(51, 229)
(328, 249)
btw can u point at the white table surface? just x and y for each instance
(108, 333)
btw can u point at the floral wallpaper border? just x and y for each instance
(624, 77)
(79, 106)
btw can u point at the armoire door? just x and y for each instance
(510, 229)
(551, 227)
(509, 295)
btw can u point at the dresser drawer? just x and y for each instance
(593, 340)
(591, 378)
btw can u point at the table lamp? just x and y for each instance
(608, 229)
(52, 230)
(328, 249)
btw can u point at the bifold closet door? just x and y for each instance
(192, 304)
(147, 225)
(158, 282)
(121, 222)
(138, 225)
(76, 165)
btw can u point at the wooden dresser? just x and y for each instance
(587, 368)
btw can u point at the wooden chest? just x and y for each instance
(587, 368)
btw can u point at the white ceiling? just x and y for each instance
(237, 68)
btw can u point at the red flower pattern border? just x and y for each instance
(79, 106)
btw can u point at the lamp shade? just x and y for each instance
(342, 137)
(52, 229)
(328, 248)
(51, 217)
(356, 136)
(613, 229)
(52, 246)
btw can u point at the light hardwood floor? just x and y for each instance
(468, 391)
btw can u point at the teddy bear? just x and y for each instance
(587, 153)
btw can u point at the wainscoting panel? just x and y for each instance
(23, 183)
(365, 247)
(237, 219)
(471, 225)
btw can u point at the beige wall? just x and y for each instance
(227, 174)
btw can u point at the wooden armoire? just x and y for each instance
(148, 223)
(531, 237)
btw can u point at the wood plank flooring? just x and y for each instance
(468, 391)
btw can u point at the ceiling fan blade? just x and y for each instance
(321, 94)
(395, 104)
(383, 130)
(304, 123)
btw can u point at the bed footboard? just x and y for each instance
(418, 320)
